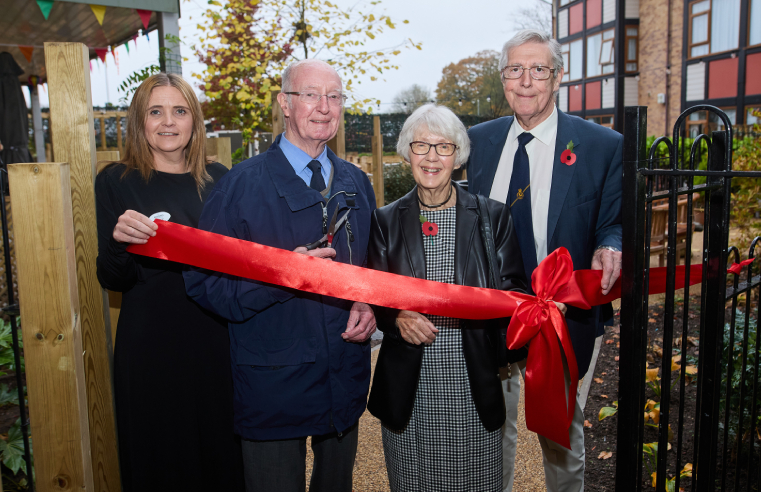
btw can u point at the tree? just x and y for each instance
(537, 16)
(409, 99)
(474, 83)
(249, 43)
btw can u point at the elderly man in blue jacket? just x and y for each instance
(300, 361)
(561, 176)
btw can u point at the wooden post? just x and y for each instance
(52, 329)
(220, 149)
(68, 73)
(114, 298)
(278, 121)
(338, 143)
(119, 142)
(103, 133)
(378, 162)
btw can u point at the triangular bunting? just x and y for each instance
(99, 11)
(126, 45)
(45, 6)
(146, 35)
(134, 38)
(91, 65)
(27, 52)
(145, 17)
(101, 52)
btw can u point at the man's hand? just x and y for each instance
(416, 328)
(610, 263)
(361, 323)
(317, 253)
(134, 228)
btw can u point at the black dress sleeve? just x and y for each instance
(117, 269)
(377, 259)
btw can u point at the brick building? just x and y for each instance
(667, 55)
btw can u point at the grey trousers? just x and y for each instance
(280, 466)
(563, 468)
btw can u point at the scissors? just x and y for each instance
(327, 239)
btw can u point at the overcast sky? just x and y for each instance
(449, 30)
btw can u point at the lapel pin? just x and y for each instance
(568, 157)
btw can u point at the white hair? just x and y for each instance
(439, 121)
(290, 73)
(533, 36)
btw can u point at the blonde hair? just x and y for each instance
(138, 154)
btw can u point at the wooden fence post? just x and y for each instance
(338, 143)
(68, 71)
(378, 162)
(52, 327)
(220, 149)
(278, 121)
(114, 298)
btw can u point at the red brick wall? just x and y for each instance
(594, 97)
(576, 18)
(594, 13)
(753, 74)
(722, 78)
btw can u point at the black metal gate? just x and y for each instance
(721, 430)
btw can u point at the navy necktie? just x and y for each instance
(317, 182)
(519, 201)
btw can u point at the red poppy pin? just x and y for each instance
(429, 228)
(568, 157)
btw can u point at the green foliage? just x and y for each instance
(7, 361)
(738, 372)
(12, 449)
(133, 81)
(8, 397)
(606, 412)
(471, 81)
(746, 191)
(239, 155)
(397, 181)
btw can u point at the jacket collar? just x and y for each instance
(562, 174)
(492, 154)
(298, 195)
(467, 225)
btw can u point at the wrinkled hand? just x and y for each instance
(416, 328)
(361, 323)
(134, 227)
(610, 263)
(329, 253)
(562, 307)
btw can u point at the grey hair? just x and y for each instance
(440, 121)
(533, 36)
(290, 72)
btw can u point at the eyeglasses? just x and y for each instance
(443, 149)
(538, 72)
(334, 98)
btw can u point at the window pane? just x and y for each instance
(700, 29)
(606, 52)
(609, 34)
(564, 2)
(714, 118)
(593, 55)
(750, 118)
(725, 25)
(697, 116)
(755, 22)
(631, 50)
(575, 66)
(631, 67)
(699, 50)
(631, 31)
(700, 7)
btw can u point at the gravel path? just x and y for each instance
(370, 467)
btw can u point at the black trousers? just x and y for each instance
(280, 466)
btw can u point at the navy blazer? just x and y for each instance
(293, 374)
(585, 201)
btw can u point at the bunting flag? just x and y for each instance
(91, 65)
(27, 52)
(134, 38)
(45, 6)
(146, 35)
(126, 45)
(115, 54)
(101, 52)
(99, 11)
(145, 17)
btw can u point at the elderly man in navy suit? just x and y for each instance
(572, 201)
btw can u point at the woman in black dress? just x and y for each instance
(171, 358)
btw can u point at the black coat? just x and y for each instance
(396, 246)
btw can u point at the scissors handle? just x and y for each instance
(320, 243)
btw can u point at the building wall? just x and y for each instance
(653, 42)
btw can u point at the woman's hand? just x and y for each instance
(134, 227)
(562, 307)
(415, 328)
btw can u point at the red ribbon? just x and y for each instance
(736, 268)
(549, 410)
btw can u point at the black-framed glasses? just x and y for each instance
(443, 149)
(310, 97)
(538, 72)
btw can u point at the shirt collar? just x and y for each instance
(544, 131)
(299, 159)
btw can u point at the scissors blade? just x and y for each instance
(332, 227)
(338, 225)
